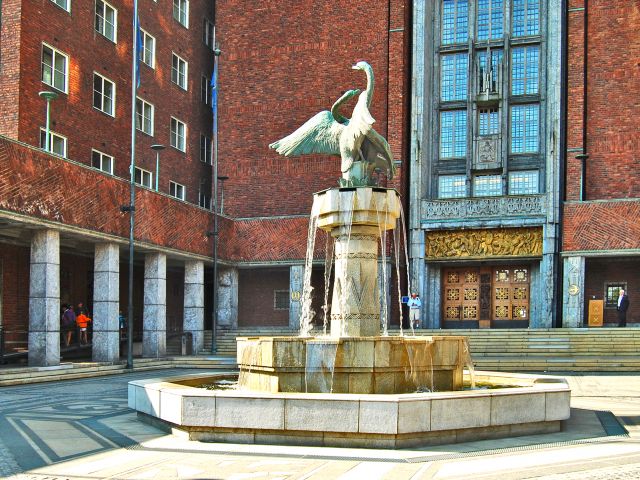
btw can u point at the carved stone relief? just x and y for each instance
(483, 207)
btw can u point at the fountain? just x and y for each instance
(353, 387)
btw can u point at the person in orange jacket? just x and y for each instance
(83, 321)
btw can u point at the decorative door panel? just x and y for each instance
(453, 295)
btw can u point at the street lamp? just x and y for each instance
(157, 148)
(221, 179)
(48, 96)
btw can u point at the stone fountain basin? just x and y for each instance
(532, 405)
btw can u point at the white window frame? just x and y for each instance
(102, 156)
(532, 174)
(185, 74)
(53, 135)
(142, 172)
(177, 190)
(151, 118)
(102, 95)
(453, 179)
(55, 52)
(103, 21)
(66, 2)
(205, 145)
(492, 178)
(152, 50)
(181, 13)
(205, 89)
(174, 135)
(203, 199)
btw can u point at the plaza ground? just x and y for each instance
(82, 429)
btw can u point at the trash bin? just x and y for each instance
(186, 344)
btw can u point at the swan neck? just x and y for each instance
(370, 83)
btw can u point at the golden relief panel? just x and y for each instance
(502, 276)
(502, 311)
(470, 312)
(452, 313)
(520, 275)
(502, 293)
(520, 293)
(470, 293)
(453, 294)
(519, 311)
(453, 277)
(471, 277)
(483, 243)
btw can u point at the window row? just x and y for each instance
(525, 72)
(519, 183)
(490, 21)
(55, 66)
(145, 122)
(524, 137)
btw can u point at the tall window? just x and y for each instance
(144, 116)
(526, 17)
(104, 95)
(208, 33)
(178, 134)
(143, 177)
(65, 4)
(453, 133)
(452, 186)
(106, 20)
(204, 200)
(487, 185)
(102, 161)
(176, 190)
(204, 89)
(525, 67)
(205, 149)
(489, 121)
(55, 68)
(523, 182)
(57, 143)
(148, 49)
(455, 21)
(181, 12)
(454, 76)
(490, 19)
(179, 71)
(525, 121)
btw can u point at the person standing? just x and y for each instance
(414, 305)
(68, 323)
(623, 306)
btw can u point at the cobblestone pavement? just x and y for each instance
(83, 430)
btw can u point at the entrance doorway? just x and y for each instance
(486, 297)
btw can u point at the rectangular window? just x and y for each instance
(205, 149)
(495, 69)
(612, 292)
(55, 68)
(176, 190)
(148, 49)
(181, 12)
(106, 20)
(57, 143)
(453, 134)
(102, 161)
(208, 34)
(179, 71)
(524, 128)
(526, 17)
(104, 95)
(143, 177)
(490, 19)
(525, 66)
(487, 186)
(454, 74)
(455, 21)
(489, 121)
(204, 200)
(178, 134)
(204, 89)
(64, 4)
(144, 116)
(281, 299)
(523, 183)
(452, 186)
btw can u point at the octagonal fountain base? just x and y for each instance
(532, 405)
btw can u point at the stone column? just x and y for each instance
(154, 325)
(432, 295)
(573, 285)
(44, 299)
(106, 303)
(194, 303)
(296, 280)
(228, 280)
(385, 287)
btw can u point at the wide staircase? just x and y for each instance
(521, 350)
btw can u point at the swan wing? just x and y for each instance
(375, 149)
(319, 134)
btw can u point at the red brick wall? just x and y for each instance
(613, 137)
(611, 270)
(15, 294)
(255, 297)
(10, 36)
(73, 115)
(601, 225)
(282, 63)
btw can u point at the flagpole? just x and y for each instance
(214, 105)
(132, 187)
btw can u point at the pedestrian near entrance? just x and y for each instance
(83, 322)
(623, 306)
(68, 324)
(414, 305)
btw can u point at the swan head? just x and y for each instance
(361, 65)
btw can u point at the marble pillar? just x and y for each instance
(44, 299)
(573, 300)
(296, 280)
(193, 320)
(154, 319)
(385, 287)
(228, 281)
(106, 303)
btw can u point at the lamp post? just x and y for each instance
(214, 97)
(221, 179)
(48, 96)
(157, 148)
